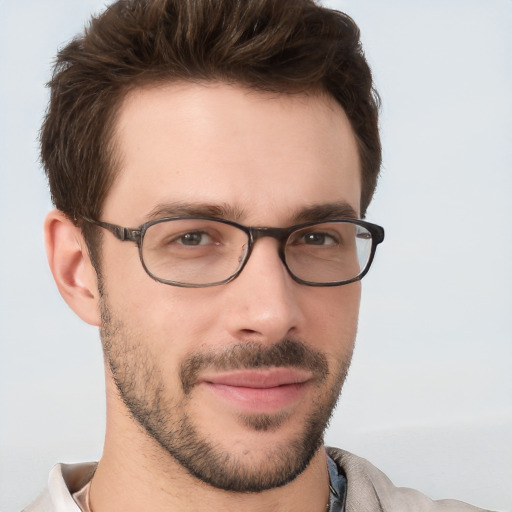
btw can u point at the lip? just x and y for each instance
(258, 391)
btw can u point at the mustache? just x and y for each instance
(251, 355)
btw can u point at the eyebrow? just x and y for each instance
(313, 213)
(326, 211)
(179, 208)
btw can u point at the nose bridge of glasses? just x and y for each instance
(280, 234)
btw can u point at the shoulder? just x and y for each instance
(64, 479)
(368, 489)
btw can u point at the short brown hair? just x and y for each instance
(283, 46)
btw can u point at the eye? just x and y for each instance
(194, 238)
(317, 238)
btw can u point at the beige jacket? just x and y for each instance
(368, 490)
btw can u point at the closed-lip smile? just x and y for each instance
(258, 390)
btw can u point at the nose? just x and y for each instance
(264, 301)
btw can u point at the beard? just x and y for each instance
(164, 414)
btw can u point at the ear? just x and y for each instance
(71, 266)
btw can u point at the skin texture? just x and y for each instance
(258, 159)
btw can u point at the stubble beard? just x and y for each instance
(142, 388)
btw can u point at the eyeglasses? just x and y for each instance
(201, 251)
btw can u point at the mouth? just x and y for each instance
(258, 391)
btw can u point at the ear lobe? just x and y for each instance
(71, 266)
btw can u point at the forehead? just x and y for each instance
(265, 155)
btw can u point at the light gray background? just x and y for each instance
(429, 396)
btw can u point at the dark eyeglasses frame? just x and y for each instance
(253, 234)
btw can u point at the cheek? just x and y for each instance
(332, 315)
(336, 303)
(170, 321)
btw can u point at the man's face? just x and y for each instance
(236, 382)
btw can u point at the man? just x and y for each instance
(210, 162)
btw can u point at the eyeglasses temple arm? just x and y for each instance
(119, 232)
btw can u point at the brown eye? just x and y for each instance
(318, 238)
(195, 238)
